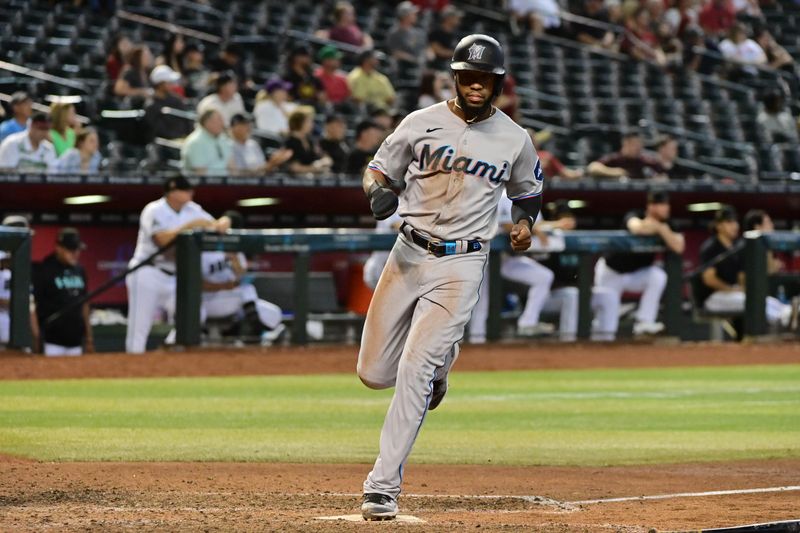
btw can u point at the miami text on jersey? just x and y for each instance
(442, 160)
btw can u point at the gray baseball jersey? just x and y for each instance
(454, 172)
(454, 175)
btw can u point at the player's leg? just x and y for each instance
(389, 316)
(144, 288)
(609, 280)
(538, 278)
(373, 268)
(480, 313)
(437, 326)
(651, 282)
(778, 312)
(564, 300)
(725, 302)
(5, 327)
(605, 305)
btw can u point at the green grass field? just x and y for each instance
(585, 417)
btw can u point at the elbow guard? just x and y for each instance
(526, 209)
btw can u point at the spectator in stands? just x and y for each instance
(777, 56)
(230, 59)
(306, 158)
(121, 46)
(132, 81)
(719, 288)
(333, 142)
(777, 119)
(699, 51)
(538, 15)
(207, 150)
(368, 85)
(194, 71)
(29, 150)
(160, 124)
(717, 17)
(172, 52)
(667, 155)
(430, 89)
(669, 44)
(681, 15)
(368, 138)
(345, 29)
(630, 161)
(225, 98)
(407, 42)
(508, 101)
(306, 88)
(247, 155)
(597, 34)
(442, 40)
(743, 52)
(431, 5)
(21, 109)
(551, 165)
(84, 158)
(759, 220)
(384, 119)
(64, 123)
(639, 41)
(332, 78)
(621, 272)
(57, 282)
(273, 107)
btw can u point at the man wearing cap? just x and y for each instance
(57, 282)
(160, 124)
(152, 287)
(248, 156)
(207, 150)
(29, 150)
(637, 272)
(368, 85)
(225, 98)
(443, 39)
(407, 42)
(333, 80)
(21, 109)
(720, 286)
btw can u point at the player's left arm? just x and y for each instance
(524, 188)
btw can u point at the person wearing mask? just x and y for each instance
(247, 156)
(207, 150)
(84, 158)
(58, 281)
(225, 98)
(306, 158)
(273, 107)
(132, 81)
(21, 111)
(637, 272)
(160, 124)
(368, 85)
(29, 150)
(368, 138)
(64, 124)
(333, 142)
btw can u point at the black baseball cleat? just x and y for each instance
(378, 507)
(439, 390)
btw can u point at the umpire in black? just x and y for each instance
(57, 282)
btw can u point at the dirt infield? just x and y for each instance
(38, 496)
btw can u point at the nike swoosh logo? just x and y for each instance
(430, 130)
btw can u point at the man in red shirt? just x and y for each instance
(717, 16)
(333, 80)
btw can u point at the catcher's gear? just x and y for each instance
(482, 53)
(382, 200)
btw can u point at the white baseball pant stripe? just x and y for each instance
(229, 302)
(733, 302)
(56, 350)
(149, 289)
(649, 281)
(415, 320)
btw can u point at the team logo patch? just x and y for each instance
(475, 52)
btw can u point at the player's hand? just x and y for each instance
(222, 224)
(383, 201)
(520, 237)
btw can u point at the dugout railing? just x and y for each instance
(17, 243)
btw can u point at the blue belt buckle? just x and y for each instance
(449, 248)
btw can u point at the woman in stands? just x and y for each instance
(345, 29)
(120, 48)
(273, 107)
(64, 123)
(172, 53)
(84, 158)
(133, 81)
(307, 157)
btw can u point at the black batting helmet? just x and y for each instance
(482, 53)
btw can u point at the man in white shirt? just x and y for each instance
(29, 150)
(738, 48)
(225, 99)
(152, 287)
(248, 156)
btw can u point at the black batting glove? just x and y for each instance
(382, 200)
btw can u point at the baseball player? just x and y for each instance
(226, 294)
(152, 287)
(455, 158)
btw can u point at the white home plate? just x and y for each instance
(408, 519)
